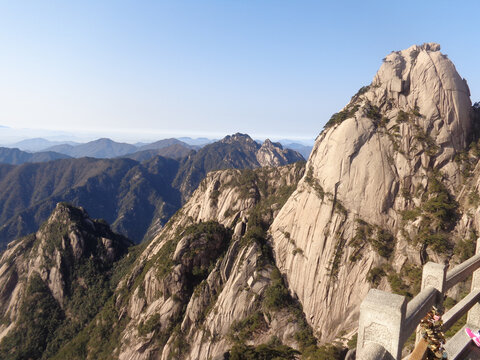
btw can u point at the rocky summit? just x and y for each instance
(379, 187)
(270, 261)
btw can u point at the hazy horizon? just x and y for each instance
(19, 135)
(278, 69)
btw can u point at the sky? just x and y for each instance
(269, 68)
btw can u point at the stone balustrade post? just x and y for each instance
(382, 316)
(433, 275)
(473, 316)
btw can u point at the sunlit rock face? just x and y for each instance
(413, 118)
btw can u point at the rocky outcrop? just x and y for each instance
(69, 254)
(273, 154)
(207, 292)
(389, 150)
(237, 151)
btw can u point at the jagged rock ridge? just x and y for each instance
(54, 281)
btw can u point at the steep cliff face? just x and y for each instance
(207, 282)
(208, 317)
(378, 186)
(54, 281)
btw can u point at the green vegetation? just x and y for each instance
(411, 214)
(383, 243)
(381, 240)
(407, 282)
(373, 113)
(214, 197)
(204, 236)
(363, 232)
(314, 183)
(402, 116)
(339, 208)
(272, 350)
(39, 318)
(474, 198)
(88, 283)
(361, 91)
(375, 275)
(438, 214)
(341, 116)
(398, 286)
(99, 339)
(152, 324)
(352, 343)
(276, 295)
(334, 266)
(245, 329)
(465, 248)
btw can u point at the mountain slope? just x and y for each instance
(379, 192)
(160, 144)
(238, 151)
(16, 156)
(174, 151)
(100, 148)
(200, 289)
(126, 193)
(136, 198)
(55, 281)
(38, 144)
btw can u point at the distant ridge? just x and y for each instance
(160, 144)
(38, 144)
(136, 196)
(102, 148)
(174, 151)
(237, 151)
(17, 156)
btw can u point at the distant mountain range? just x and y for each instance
(38, 144)
(174, 151)
(16, 156)
(305, 150)
(104, 148)
(136, 195)
(101, 148)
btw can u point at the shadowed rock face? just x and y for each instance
(389, 140)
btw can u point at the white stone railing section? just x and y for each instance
(387, 320)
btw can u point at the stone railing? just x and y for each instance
(388, 320)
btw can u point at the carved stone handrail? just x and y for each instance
(417, 308)
(462, 271)
(387, 320)
(460, 309)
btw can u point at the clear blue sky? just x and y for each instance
(264, 67)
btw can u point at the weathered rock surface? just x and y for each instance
(374, 159)
(237, 151)
(205, 312)
(273, 154)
